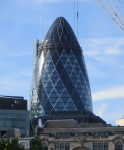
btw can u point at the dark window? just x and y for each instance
(86, 133)
(100, 146)
(106, 146)
(106, 133)
(96, 134)
(44, 145)
(85, 120)
(57, 134)
(118, 146)
(76, 134)
(56, 146)
(62, 146)
(101, 133)
(67, 145)
(63, 134)
(68, 134)
(94, 146)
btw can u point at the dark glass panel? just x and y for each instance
(59, 84)
(80, 106)
(78, 59)
(56, 38)
(47, 107)
(59, 50)
(55, 57)
(64, 77)
(54, 80)
(70, 88)
(59, 67)
(53, 94)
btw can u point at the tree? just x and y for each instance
(6, 144)
(36, 143)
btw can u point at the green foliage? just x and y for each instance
(10, 145)
(36, 144)
(3, 144)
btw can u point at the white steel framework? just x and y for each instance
(112, 10)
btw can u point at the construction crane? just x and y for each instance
(112, 10)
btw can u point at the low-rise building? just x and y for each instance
(14, 114)
(68, 135)
(119, 122)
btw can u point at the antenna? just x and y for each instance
(41, 27)
(74, 16)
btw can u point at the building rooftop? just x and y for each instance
(13, 103)
(69, 123)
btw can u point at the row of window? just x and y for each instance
(62, 146)
(104, 146)
(100, 146)
(96, 134)
(104, 133)
(15, 116)
(63, 134)
(11, 123)
(96, 146)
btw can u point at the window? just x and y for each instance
(67, 145)
(6, 116)
(8, 123)
(94, 146)
(23, 124)
(101, 133)
(106, 146)
(118, 146)
(56, 146)
(96, 134)
(100, 146)
(25, 144)
(11, 115)
(23, 116)
(68, 134)
(76, 134)
(23, 131)
(57, 134)
(63, 134)
(62, 146)
(44, 145)
(2, 122)
(3, 116)
(86, 133)
(106, 133)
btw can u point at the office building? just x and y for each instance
(61, 79)
(61, 88)
(14, 114)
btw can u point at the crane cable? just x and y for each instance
(77, 21)
(74, 16)
(121, 1)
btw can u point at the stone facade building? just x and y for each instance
(68, 135)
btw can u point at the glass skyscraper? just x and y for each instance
(60, 79)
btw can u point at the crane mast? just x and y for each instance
(112, 10)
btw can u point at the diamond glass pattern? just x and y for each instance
(62, 80)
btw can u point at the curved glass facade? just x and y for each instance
(60, 77)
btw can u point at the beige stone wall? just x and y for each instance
(83, 140)
(119, 122)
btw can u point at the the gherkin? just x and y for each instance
(60, 80)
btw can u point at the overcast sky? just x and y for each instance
(100, 38)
